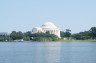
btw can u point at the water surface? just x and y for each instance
(47, 52)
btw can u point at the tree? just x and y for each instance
(67, 33)
(68, 30)
(27, 38)
(47, 32)
(90, 34)
(19, 35)
(44, 37)
(93, 32)
(77, 36)
(16, 35)
(29, 34)
(62, 34)
(4, 38)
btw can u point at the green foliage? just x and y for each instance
(27, 36)
(16, 35)
(66, 34)
(47, 32)
(91, 34)
(4, 38)
(62, 34)
(44, 37)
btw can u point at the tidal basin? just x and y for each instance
(48, 52)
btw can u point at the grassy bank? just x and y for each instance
(63, 41)
(54, 41)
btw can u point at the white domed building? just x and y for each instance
(48, 26)
(37, 30)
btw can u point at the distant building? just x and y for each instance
(48, 26)
(3, 33)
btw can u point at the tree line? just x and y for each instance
(86, 35)
(28, 36)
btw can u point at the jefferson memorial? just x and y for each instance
(48, 26)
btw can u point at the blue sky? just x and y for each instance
(23, 15)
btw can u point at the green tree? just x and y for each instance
(27, 36)
(77, 36)
(4, 38)
(16, 35)
(62, 34)
(93, 32)
(44, 37)
(67, 33)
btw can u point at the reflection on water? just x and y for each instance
(34, 52)
(48, 52)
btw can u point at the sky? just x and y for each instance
(23, 15)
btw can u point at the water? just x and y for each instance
(47, 52)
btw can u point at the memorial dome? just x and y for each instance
(48, 25)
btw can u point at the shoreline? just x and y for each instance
(53, 41)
